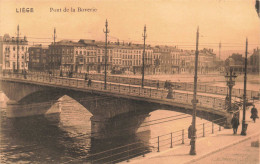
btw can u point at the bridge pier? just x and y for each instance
(122, 125)
(16, 109)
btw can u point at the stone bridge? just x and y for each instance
(35, 94)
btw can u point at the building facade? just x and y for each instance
(254, 61)
(14, 54)
(38, 58)
(88, 56)
(206, 61)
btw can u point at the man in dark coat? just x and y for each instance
(86, 76)
(254, 113)
(166, 84)
(235, 123)
(190, 132)
(89, 83)
(158, 84)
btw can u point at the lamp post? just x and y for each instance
(194, 100)
(244, 125)
(230, 78)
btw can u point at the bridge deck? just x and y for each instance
(184, 86)
(205, 103)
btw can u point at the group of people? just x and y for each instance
(235, 120)
(167, 84)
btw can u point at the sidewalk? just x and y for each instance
(204, 146)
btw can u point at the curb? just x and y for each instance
(222, 148)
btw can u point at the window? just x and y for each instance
(7, 64)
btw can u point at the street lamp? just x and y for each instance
(244, 125)
(194, 100)
(230, 78)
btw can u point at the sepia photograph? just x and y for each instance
(129, 81)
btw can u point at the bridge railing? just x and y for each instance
(132, 90)
(176, 85)
(153, 83)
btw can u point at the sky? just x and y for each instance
(168, 22)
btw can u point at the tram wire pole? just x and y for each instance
(106, 32)
(144, 36)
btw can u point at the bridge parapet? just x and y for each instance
(185, 86)
(151, 94)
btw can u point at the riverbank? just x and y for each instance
(205, 146)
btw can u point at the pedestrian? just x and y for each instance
(190, 132)
(235, 123)
(86, 77)
(254, 113)
(25, 73)
(89, 83)
(158, 84)
(50, 74)
(166, 84)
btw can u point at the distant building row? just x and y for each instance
(89, 56)
(237, 62)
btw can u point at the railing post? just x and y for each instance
(150, 92)
(182, 136)
(162, 94)
(203, 129)
(119, 87)
(171, 140)
(143, 153)
(212, 128)
(139, 90)
(129, 88)
(110, 86)
(127, 154)
(158, 150)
